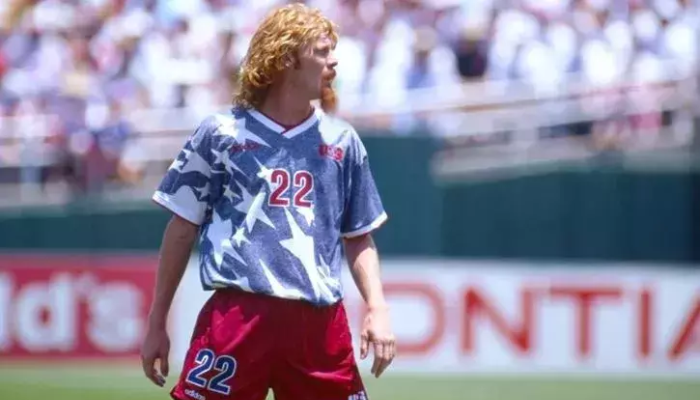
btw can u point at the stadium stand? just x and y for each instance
(101, 92)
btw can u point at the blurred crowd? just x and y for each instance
(90, 61)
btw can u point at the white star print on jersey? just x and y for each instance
(273, 205)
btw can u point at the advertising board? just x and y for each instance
(74, 306)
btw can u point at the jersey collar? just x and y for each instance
(286, 131)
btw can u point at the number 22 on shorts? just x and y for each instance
(206, 360)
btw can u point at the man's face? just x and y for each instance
(315, 69)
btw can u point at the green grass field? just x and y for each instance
(102, 383)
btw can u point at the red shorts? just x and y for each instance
(245, 344)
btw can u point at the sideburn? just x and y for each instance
(329, 100)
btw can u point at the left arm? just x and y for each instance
(363, 259)
(363, 214)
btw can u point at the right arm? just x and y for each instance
(175, 250)
(185, 191)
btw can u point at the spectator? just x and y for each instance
(154, 54)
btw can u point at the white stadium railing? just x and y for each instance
(474, 108)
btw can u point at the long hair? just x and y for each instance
(275, 46)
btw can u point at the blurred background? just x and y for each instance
(538, 160)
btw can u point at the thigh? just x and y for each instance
(229, 354)
(319, 362)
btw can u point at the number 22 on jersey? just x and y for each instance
(302, 182)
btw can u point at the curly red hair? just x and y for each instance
(281, 34)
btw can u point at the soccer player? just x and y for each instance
(273, 191)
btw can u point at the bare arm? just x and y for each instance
(175, 251)
(363, 259)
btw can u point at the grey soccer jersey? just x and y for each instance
(273, 204)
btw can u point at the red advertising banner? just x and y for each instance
(500, 317)
(74, 306)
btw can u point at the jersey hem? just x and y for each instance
(381, 219)
(164, 200)
(305, 300)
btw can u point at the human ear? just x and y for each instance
(291, 61)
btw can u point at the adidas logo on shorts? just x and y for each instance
(358, 396)
(194, 394)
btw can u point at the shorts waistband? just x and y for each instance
(237, 292)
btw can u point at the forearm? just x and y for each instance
(176, 247)
(363, 259)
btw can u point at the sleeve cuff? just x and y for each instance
(379, 221)
(165, 201)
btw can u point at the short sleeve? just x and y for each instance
(186, 187)
(364, 211)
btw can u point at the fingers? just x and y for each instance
(155, 348)
(384, 353)
(364, 345)
(148, 364)
(164, 365)
(379, 357)
(149, 370)
(158, 379)
(390, 353)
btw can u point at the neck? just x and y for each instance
(283, 106)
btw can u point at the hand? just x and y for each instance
(156, 346)
(376, 330)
